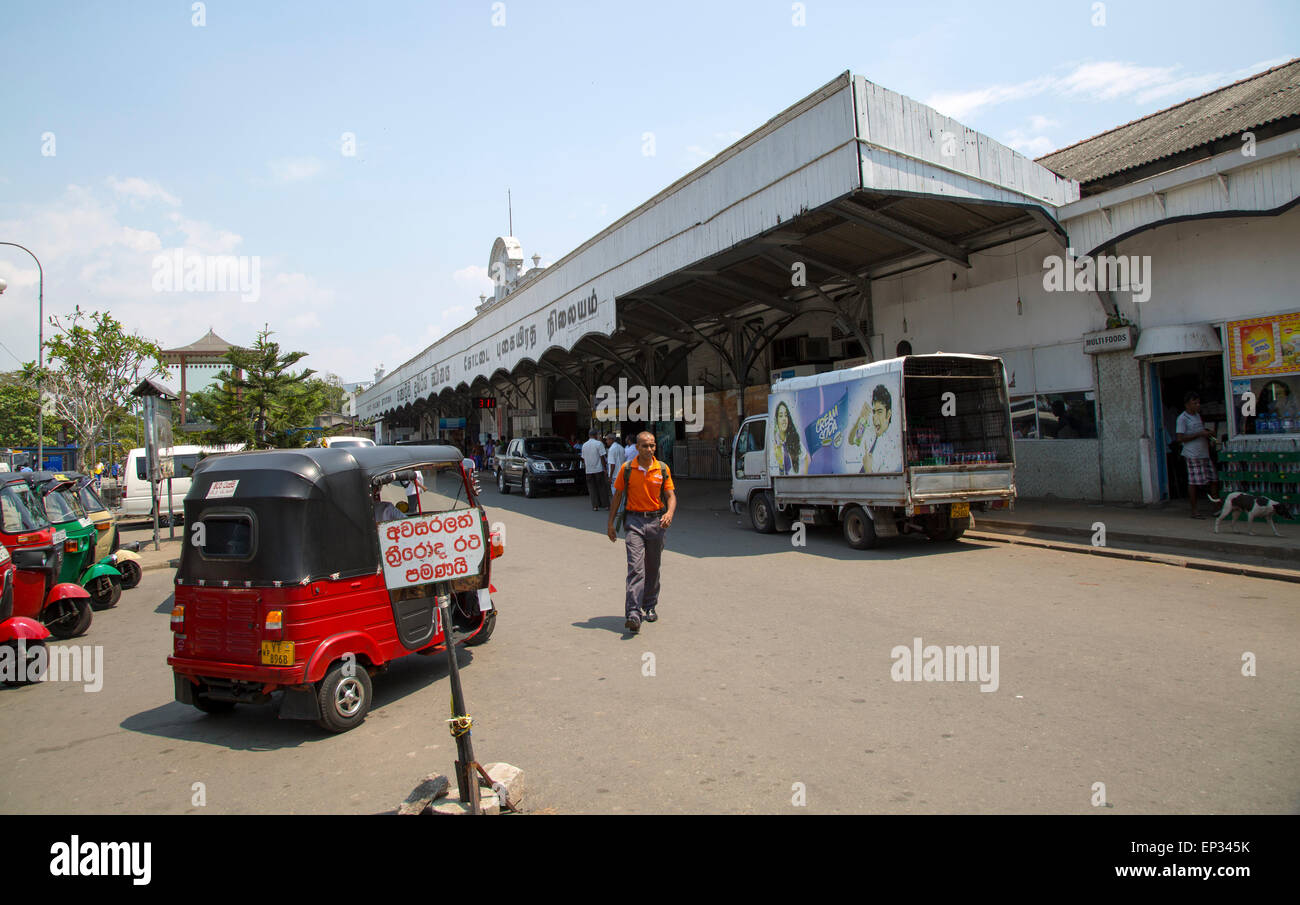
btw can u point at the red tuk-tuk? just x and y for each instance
(300, 575)
(37, 551)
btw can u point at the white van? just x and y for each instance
(136, 499)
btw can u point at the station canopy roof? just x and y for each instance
(852, 183)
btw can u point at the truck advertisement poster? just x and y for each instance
(852, 426)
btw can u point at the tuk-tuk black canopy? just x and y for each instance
(311, 510)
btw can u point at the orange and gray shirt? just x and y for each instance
(643, 494)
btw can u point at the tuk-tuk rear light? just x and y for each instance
(178, 617)
(27, 538)
(71, 546)
(498, 544)
(103, 526)
(275, 621)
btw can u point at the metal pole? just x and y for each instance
(466, 776)
(40, 357)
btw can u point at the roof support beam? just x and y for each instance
(902, 232)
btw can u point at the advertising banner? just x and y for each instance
(849, 427)
(435, 547)
(1264, 345)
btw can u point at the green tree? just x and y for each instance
(258, 400)
(18, 404)
(92, 365)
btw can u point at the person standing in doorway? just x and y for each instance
(1192, 433)
(593, 460)
(647, 485)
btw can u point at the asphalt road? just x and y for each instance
(771, 668)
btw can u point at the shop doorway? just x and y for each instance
(1170, 380)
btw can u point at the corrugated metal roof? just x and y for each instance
(1231, 110)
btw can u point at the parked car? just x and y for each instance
(137, 500)
(540, 463)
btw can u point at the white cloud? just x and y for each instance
(296, 169)
(1105, 80)
(473, 280)
(136, 189)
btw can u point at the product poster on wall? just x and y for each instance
(1264, 345)
(848, 427)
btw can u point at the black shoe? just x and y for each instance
(651, 615)
(633, 624)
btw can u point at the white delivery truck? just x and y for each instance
(904, 445)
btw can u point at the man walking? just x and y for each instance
(1192, 433)
(593, 459)
(647, 485)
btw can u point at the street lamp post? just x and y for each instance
(40, 354)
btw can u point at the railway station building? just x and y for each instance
(858, 224)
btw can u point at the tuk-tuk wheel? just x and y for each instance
(105, 592)
(489, 623)
(131, 573)
(27, 670)
(69, 618)
(344, 696)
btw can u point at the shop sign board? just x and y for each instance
(1264, 345)
(1114, 340)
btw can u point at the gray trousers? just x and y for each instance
(645, 547)
(598, 489)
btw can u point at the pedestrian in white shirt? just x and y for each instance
(1193, 434)
(593, 460)
(614, 460)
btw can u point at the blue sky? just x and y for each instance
(226, 138)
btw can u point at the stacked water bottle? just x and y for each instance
(927, 448)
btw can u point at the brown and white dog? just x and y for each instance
(1253, 506)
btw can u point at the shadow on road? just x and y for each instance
(613, 624)
(708, 532)
(254, 727)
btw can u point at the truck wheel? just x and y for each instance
(762, 513)
(949, 534)
(528, 487)
(859, 529)
(502, 486)
(344, 699)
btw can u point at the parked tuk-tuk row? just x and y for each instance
(61, 559)
(310, 570)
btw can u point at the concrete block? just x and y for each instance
(512, 778)
(487, 800)
(433, 786)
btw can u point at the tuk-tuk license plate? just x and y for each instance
(277, 653)
(960, 510)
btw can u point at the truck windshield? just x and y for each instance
(21, 511)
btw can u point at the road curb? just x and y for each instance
(1166, 559)
(999, 526)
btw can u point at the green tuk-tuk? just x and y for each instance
(58, 492)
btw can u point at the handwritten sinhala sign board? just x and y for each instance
(428, 548)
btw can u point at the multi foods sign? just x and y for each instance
(561, 324)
